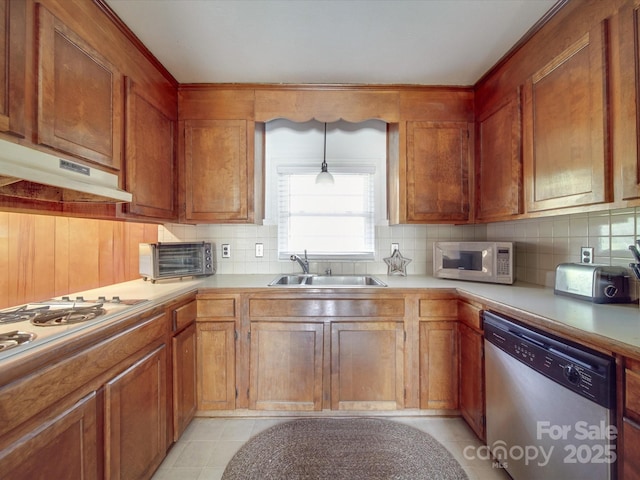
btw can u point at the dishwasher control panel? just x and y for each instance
(578, 368)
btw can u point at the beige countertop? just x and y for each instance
(613, 326)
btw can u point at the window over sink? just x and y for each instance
(331, 222)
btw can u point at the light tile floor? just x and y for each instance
(209, 443)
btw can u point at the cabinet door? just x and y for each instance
(286, 366)
(12, 65)
(150, 162)
(79, 95)
(472, 379)
(438, 365)
(437, 171)
(216, 366)
(626, 100)
(64, 447)
(566, 158)
(136, 418)
(367, 366)
(218, 178)
(631, 450)
(184, 379)
(499, 161)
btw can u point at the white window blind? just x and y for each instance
(331, 222)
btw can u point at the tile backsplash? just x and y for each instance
(541, 244)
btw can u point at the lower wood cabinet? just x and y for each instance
(439, 364)
(286, 366)
(135, 418)
(184, 379)
(216, 365)
(61, 447)
(629, 422)
(472, 396)
(367, 365)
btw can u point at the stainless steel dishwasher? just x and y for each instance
(549, 404)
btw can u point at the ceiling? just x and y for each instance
(425, 42)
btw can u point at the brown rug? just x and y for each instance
(349, 449)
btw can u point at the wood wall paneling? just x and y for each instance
(43, 256)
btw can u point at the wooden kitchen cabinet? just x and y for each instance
(565, 127)
(13, 25)
(218, 176)
(438, 352)
(367, 365)
(629, 468)
(79, 108)
(136, 418)
(184, 353)
(64, 446)
(437, 180)
(286, 366)
(471, 347)
(499, 161)
(216, 365)
(150, 172)
(626, 100)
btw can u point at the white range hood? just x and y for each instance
(29, 173)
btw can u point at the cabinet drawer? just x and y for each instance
(632, 391)
(439, 308)
(184, 315)
(326, 307)
(217, 307)
(470, 315)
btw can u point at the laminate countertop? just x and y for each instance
(614, 328)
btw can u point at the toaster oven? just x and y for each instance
(176, 260)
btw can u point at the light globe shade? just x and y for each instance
(324, 178)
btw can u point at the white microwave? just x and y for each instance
(491, 262)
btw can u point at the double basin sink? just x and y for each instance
(309, 280)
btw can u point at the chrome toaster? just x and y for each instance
(594, 283)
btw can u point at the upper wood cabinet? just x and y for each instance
(150, 153)
(566, 154)
(217, 172)
(437, 174)
(217, 138)
(79, 95)
(626, 101)
(499, 161)
(12, 65)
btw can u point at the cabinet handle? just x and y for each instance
(174, 321)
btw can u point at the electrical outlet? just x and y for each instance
(226, 250)
(394, 247)
(586, 254)
(259, 250)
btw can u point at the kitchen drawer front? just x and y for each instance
(470, 315)
(326, 307)
(184, 315)
(213, 306)
(438, 308)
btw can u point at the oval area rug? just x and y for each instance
(349, 449)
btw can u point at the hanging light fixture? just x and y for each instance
(324, 177)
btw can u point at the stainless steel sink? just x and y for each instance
(327, 281)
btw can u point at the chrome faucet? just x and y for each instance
(304, 264)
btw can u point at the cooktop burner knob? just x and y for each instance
(115, 299)
(80, 299)
(102, 299)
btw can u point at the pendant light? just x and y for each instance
(324, 177)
